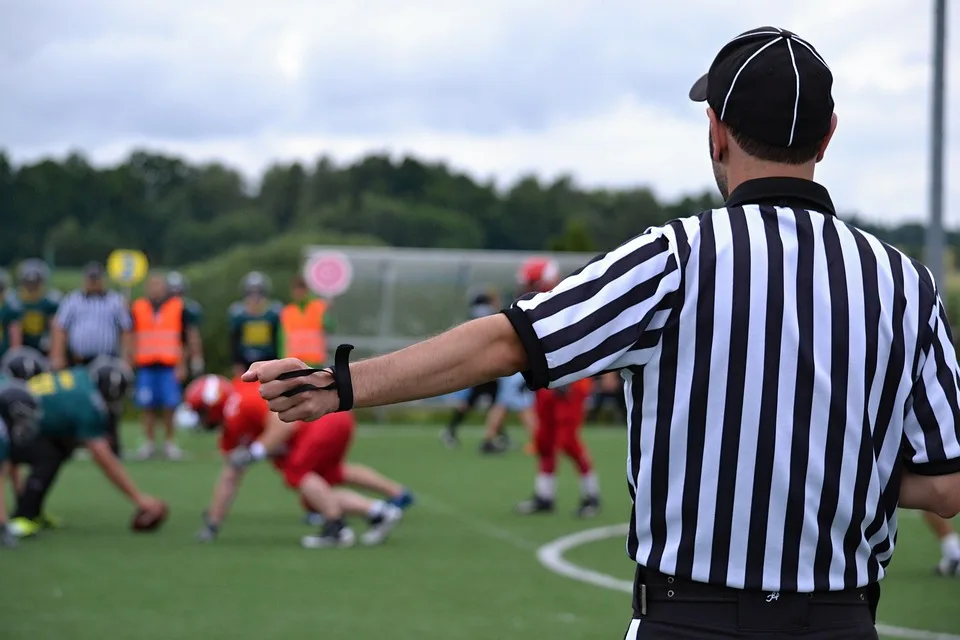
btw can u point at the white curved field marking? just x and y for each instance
(551, 557)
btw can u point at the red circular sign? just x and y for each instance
(328, 274)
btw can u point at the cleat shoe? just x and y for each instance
(172, 452)
(24, 528)
(404, 501)
(146, 451)
(449, 439)
(492, 447)
(589, 507)
(313, 519)
(948, 568)
(534, 505)
(47, 521)
(342, 539)
(381, 526)
(503, 440)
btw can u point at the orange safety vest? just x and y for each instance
(303, 332)
(157, 333)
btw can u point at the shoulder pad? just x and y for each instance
(54, 295)
(235, 309)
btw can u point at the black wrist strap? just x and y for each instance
(342, 383)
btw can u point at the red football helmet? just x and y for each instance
(538, 274)
(207, 395)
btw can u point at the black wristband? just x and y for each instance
(342, 382)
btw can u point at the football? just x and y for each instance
(146, 521)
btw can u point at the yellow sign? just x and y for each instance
(127, 267)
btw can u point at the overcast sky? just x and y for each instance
(498, 88)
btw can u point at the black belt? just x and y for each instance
(652, 586)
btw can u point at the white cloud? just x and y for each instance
(498, 88)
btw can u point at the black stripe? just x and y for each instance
(802, 404)
(869, 276)
(733, 405)
(770, 394)
(587, 290)
(837, 414)
(636, 387)
(697, 399)
(609, 312)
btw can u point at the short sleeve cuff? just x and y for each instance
(938, 468)
(537, 373)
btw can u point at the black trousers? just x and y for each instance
(45, 456)
(672, 609)
(113, 421)
(601, 399)
(488, 389)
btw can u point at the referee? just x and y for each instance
(790, 379)
(90, 322)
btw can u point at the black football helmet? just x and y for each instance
(20, 411)
(23, 363)
(113, 378)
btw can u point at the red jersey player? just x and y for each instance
(311, 456)
(560, 415)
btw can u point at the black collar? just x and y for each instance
(783, 192)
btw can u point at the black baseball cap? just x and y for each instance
(93, 270)
(770, 85)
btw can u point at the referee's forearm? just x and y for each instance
(475, 352)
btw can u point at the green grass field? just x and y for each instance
(460, 567)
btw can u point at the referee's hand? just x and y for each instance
(306, 405)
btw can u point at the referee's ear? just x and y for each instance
(826, 141)
(718, 137)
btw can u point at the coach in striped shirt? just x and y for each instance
(90, 322)
(790, 379)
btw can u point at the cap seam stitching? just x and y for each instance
(733, 82)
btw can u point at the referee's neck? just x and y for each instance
(751, 169)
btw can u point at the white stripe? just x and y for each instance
(633, 630)
(796, 101)
(723, 111)
(815, 54)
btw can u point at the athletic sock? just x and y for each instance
(545, 486)
(589, 485)
(950, 545)
(333, 527)
(455, 421)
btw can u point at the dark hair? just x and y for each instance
(773, 153)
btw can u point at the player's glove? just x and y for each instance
(7, 539)
(240, 457)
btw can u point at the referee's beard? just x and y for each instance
(718, 172)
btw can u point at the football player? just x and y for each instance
(949, 544)
(38, 303)
(254, 323)
(536, 274)
(11, 331)
(17, 425)
(483, 304)
(70, 407)
(560, 415)
(311, 456)
(177, 286)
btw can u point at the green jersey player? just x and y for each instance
(75, 406)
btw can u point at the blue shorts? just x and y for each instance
(513, 393)
(157, 388)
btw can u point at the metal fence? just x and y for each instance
(401, 296)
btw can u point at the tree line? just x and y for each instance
(69, 211)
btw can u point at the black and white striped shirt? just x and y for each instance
(780, 365)
(94, 322)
